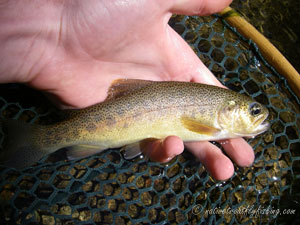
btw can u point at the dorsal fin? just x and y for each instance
(119, 87)
(122, 87)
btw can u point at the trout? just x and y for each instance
(137, 110)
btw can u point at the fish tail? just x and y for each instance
(19, 149)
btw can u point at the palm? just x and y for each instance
(98, 46)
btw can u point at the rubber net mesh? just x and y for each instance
(106, 189)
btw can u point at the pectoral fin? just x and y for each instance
(81, 151)
(198, 127)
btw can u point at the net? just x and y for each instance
(106, 189)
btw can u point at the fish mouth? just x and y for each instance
(262, 124)
(265, 125)
(261, 128)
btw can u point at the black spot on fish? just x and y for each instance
(91, 127)
(58, 138)
(110, 121)
(49, 132)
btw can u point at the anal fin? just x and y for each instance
(81, 151)
(133, 150)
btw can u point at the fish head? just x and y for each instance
(243, 117)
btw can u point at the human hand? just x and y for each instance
(73, 50)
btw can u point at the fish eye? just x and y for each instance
(255, 109)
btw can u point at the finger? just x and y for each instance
(199, 7)
(239, 151)
(164, 151)
(217, 164)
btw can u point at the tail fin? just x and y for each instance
(19, 149)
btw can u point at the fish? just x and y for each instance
(136, 111)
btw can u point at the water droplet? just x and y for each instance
(220, 184)
(224, 142)
(275, 178)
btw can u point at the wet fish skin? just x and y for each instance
(142, 110)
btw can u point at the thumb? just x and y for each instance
(199, 7)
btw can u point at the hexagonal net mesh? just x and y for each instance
(105, 188)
